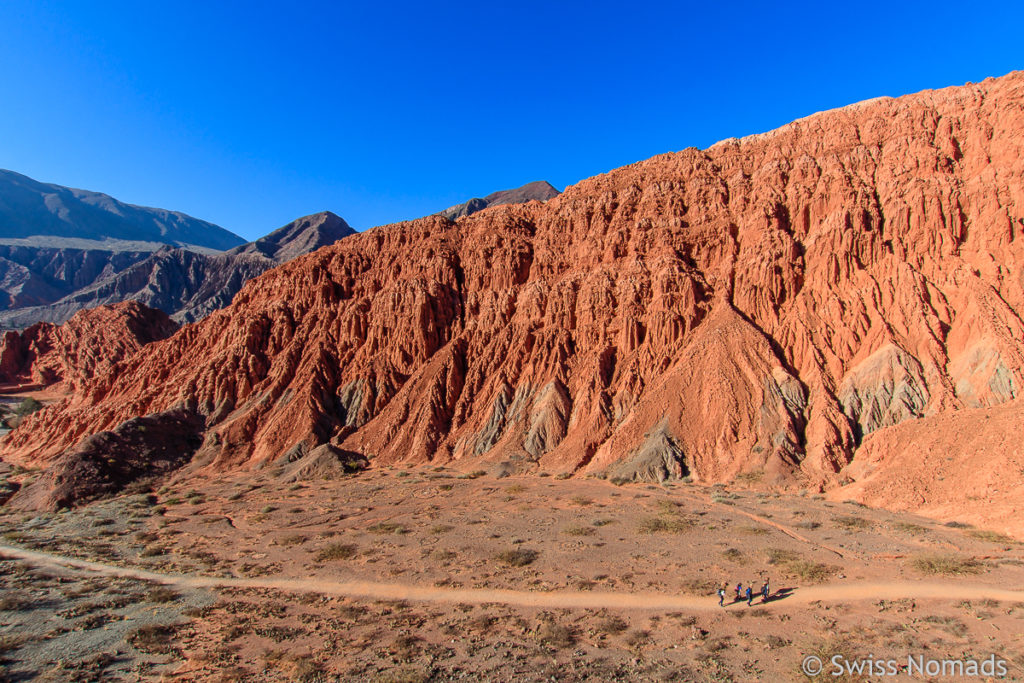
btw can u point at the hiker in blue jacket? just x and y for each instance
(750, 595)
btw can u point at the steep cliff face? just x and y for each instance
(86, 350)
(759, 307)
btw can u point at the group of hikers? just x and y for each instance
(745, 594)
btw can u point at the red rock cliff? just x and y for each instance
(82, 352)
(760, 306)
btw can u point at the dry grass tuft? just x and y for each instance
(518, 557)
(946, 565)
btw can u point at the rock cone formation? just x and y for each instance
(762, 307)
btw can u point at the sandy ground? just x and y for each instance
(425, 574)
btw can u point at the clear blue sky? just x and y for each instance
(249, 114)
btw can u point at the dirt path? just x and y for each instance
(569, 599)
(775, 525)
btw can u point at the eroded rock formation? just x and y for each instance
(761, 307)
(84, 351)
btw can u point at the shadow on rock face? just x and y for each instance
(105, 463)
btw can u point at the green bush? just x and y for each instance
(28, 406)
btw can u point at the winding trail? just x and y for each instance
(891, 590)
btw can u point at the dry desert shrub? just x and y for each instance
(15, 602)
(637, 638)
(675, 525)
(852, 523)
(11, 642)
(910, 529)
(518, 557)
(796, 566)
(807, 524)
(387, 528)
(612, 625)
(946, 565)
(811, 572)
(557, 636)
(162, 594)
(153, 639)
(666, 507)
(337, 551)
(734, 555)
(991, 536)
(780, 555)
(289, 541)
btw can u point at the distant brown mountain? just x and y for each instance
(29, 208)
(50, 277)
(540, 190)
(184, 283)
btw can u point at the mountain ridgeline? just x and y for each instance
(182, 282)
(771, 308)
(31, 209)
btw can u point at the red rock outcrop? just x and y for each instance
(83, 351)
(758, 307)
(963, 465)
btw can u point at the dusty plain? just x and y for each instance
(430, 574)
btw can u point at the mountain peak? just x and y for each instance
(301, 236)
(539, 190)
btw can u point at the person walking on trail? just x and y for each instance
(721, 596)
(739, 590)
(765, 592)
(750, 595)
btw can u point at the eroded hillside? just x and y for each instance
(758, 308)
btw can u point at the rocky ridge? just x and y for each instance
(30, 208)
(184, 283)
(82, 351)
(539, 190)
(765, 308)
